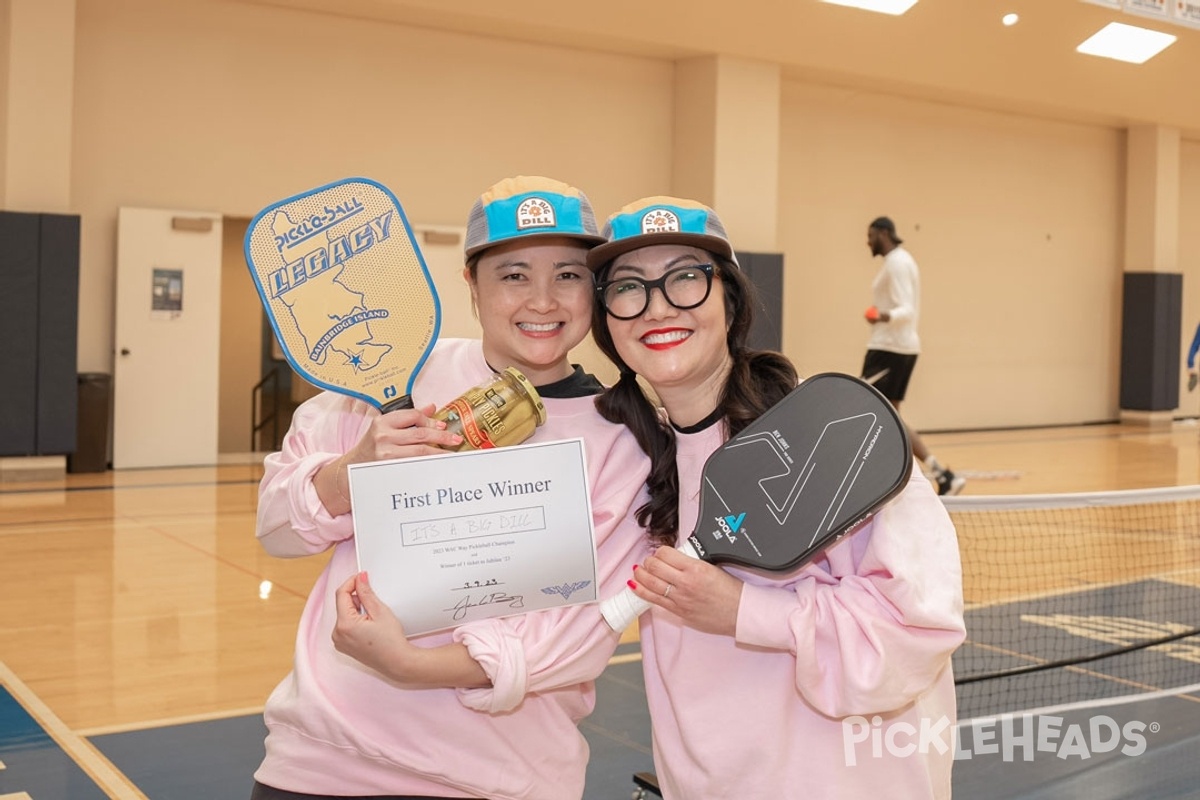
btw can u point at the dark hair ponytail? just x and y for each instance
(627, 404)
(757, 380)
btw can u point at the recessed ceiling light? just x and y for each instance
(894, 7)
(1126, 43)
(1010, 19)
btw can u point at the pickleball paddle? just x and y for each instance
(346, 289)
(809, 470)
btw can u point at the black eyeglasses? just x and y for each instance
(682, 287)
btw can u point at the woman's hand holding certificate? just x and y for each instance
(368, 631)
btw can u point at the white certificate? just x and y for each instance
(451, 538)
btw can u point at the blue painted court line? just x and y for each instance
(33, 761)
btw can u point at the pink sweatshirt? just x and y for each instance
(838, 681)
(337, 727)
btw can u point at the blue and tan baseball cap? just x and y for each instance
(529, 206)
(661, 220)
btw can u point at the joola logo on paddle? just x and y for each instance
(731, 525)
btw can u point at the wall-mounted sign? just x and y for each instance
(166, 293)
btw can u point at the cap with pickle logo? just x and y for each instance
(535, 212)
(660, 220)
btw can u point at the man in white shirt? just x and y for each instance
(894, 344)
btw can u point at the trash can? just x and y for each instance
(91, 430)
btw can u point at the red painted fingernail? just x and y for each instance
(631, 584)
(635, 566)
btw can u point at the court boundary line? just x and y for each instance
(113, 488)
(1074, 668)
(1031, 659)
(94, 764)
(613, 736)
(169, 722)
(1071, 500)
(1082, 705)
(627, 658)
(1028, 597)
(65, 525)
(1122, 431)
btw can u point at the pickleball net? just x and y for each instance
(1073, 598)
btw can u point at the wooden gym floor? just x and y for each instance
(135, 600)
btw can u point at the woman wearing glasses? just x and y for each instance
(830, 681)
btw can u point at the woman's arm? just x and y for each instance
(293, 518)
(368, 631)
(567, 646)
(874, 624)
(303, 501)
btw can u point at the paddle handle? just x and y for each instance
(622, 609)
(403, 401)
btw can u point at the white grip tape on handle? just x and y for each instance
(622, 609)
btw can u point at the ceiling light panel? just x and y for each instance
(1128, 43)
(894, 7)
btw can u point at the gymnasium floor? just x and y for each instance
(141, 628)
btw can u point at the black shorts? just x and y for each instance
(889, 372)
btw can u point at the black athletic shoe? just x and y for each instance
(948, 483)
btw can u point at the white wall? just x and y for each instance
(229, 107)
(1015, 223)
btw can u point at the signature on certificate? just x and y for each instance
(468, 602)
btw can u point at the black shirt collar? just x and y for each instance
(577, 384)
(707, 422)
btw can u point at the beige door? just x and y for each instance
(167, 338)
